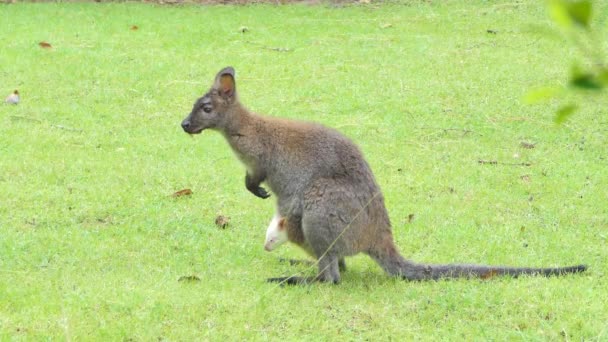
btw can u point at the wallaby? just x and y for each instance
(323, 185)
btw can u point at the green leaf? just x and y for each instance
(567, 13)
(580, 12)
(585, 80)
(541, 94)
(559, 13)
(564, 112)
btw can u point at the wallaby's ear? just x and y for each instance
(225, 84)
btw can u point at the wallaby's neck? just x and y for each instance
(241, 128)
(237, 119)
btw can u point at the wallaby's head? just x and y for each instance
(276, 234)
(210, 111)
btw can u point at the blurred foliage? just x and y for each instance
(574, 18)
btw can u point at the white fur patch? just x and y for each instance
(275, 236)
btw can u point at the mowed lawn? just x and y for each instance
(94, 247)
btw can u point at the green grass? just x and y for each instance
(92, 244)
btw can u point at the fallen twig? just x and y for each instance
(279, 49)
(527, 145)
(463, 130)
(495, 162)
(67, 128)
(271, 48)
(24, 118)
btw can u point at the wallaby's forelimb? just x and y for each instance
(252, 183)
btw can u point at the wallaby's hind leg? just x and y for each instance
(341, 265)
(328, 269)
(328, 263)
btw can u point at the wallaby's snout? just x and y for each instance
(189, 127)
(186, 125)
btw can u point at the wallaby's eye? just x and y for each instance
(207, 109)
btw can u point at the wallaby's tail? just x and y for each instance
(394, 264)
(412, 271)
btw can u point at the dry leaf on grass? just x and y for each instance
(222, 221)
(45, 45)
(182, 193)
(189, 279)
(527, 145)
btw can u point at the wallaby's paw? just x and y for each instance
(261, 193)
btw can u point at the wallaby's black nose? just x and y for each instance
(186, 125)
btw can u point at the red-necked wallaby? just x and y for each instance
(323, 186)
